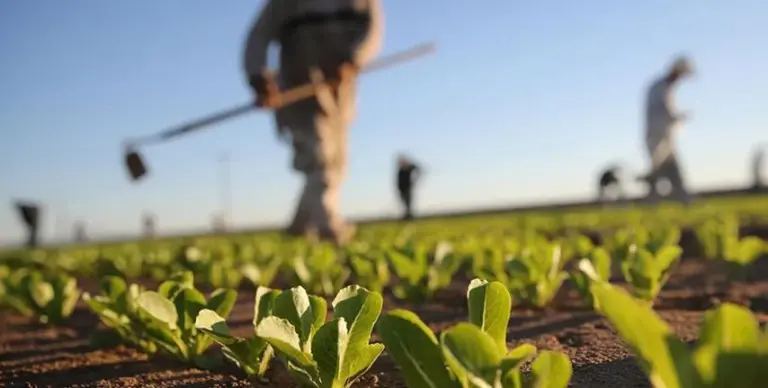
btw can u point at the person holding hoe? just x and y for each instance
(320, 40)
(662, 123)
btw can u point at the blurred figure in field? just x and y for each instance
(758, 167)
(609, 185)
(408, 173)
(30, 216)
(318, 39)
(149, 225)
(218, 223)
(662, 123)
(79, 232)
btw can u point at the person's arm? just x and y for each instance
(417, 173)
(263, 32)
(370, 45)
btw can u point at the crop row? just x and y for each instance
(523, 264)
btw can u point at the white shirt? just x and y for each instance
(661, 121)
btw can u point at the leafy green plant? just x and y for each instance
(472, 354)
(51, 297)
(717, 234)
(647, 272)
(318, 353)
(731, 351)
(167, 316)
(319, 270)
(619, 244)
(371, 271)
(602, 263)
(262, 271)
(250, 354)
(116, 308)
(740, 254)
(420, 274)
(126, 262)
(536, 274)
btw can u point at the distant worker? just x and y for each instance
(320, 39)
(758, 168)
(149, 225)
(662, 122)
(79, 232)
(407, 175)
(30, 216)
(610, 183)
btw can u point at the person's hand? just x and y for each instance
(348, 72)
(267, 91)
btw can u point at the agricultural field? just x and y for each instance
(633, 296)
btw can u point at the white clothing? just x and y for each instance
(661, 122)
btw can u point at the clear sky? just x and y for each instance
(524, 101)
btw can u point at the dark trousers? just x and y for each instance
(406, 197)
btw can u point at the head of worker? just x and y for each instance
(403, 161)
(682, 67)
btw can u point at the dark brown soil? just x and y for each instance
(33, 355)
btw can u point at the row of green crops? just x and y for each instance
(530, 264)
(290, 327)
(514, 260)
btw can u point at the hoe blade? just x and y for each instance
(135, 165)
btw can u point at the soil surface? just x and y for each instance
(35, 355)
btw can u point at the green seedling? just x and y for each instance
(51, 297)
(647, 272)
(472, 354)
(420, 274)
(116, 308)
(731, 350)
(319, 270)
(324, 354)
(602, 263)
(252, 354)
(536, 274)
(371, 271)
(168, 317)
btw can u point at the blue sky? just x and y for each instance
(524, 101)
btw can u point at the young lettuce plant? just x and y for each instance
(371, 270)
(262, 271)
(116, 308)
(536, 274)
(253, 354)
(168, 317)
(472, 354)
(647, 272)
(319, 270)
(324, 355)
(731, 350)
(420, 274)
(741, 253)
(602, 263)
(716, 234)
(49, 297)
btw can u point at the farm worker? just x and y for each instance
(30, 216)
(320, 39)
(758, 163)
(662, 123)
(407, 175)
(610, 181)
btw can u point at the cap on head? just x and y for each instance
(682, 66)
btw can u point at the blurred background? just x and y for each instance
(521, 104)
